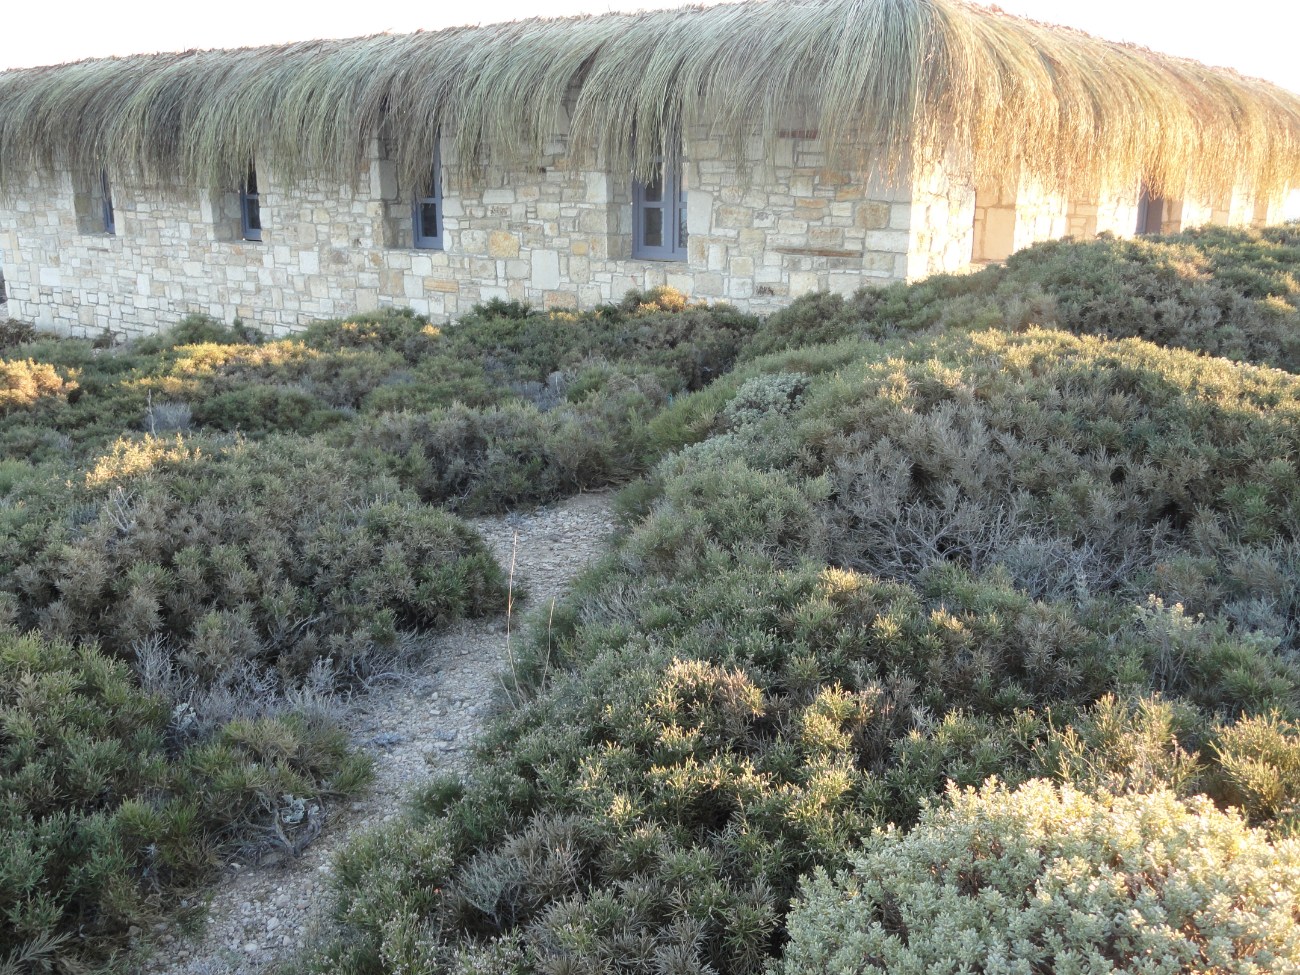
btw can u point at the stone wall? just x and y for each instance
(1013, 212)
(995, 220)
(763, 229)
(770, 230)
(1109, 209)
(761, 232)
(1275, 209)
(1186, 213)
(1041, 214)
(942, 223)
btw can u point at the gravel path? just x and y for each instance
(258, 915)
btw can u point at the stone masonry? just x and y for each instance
(760, 233)
(763, 229)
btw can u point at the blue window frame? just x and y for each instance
(106, 203)
(250, 207)
(426, 221)
(659, 215)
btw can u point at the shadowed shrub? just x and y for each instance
(271, 556)
(108, 812)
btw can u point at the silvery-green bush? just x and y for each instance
(1048, 879)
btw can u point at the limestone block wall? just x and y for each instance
(1018, 210)
(1273, 210)
(768, 230)
(761, 231)
(1183, 214)
(943, 222)
(1108, 209)
(174, 253)
(1238, 210)
(994, 228)
(1040, 214)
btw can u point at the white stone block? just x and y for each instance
(685, 283)
(49, 277)
(546, 269)
(699, 212)
(803, 282)
(887, 240)
(597, 187)
(309, 262)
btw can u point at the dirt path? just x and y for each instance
(258, 915)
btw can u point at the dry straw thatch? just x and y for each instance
(917, 81)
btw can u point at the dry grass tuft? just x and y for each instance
(907, 82)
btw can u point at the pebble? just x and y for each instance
(260, 917)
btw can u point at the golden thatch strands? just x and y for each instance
(897, 83)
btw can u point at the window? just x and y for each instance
(94, 205)
(106, 203)
(426, 220)
(659, 215)
(1151, 212)
(250, 207)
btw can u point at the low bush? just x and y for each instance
(238, 557)
(1223, 292)
(231, 379)
(197, 329)
(1052, 879)
(775, 661)
(940, 545)
(110, 807)
(485, 460)
(1075, 466)
(14, 333)
(714, 707)
(1257, 769)
(23, 384)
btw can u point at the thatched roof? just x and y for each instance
(911, 78)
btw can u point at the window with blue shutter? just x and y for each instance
(659, 215)
(427, 219)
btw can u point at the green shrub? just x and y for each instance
(398, 329)
(267, 409)
(1223, 292)
(1051, 879)
(14, 333)
(749, 714)
(271, 555)
(863, 571)
(1078, 467)
(107, 810)
(1257, 768)
(485, 460)
(197, 329)
(1140, 744)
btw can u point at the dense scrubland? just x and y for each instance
(950, 624)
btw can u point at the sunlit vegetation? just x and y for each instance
(876, 552)
(206, 535)
(916, 539)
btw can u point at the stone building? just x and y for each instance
(749, 152)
